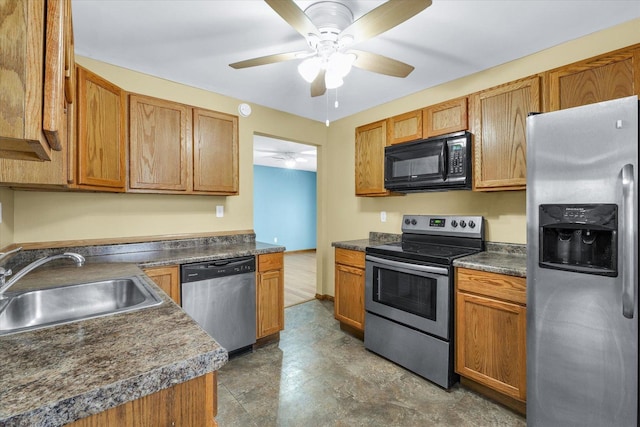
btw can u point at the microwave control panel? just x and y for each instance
(457, 158)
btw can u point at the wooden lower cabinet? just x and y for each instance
(191, 403)
(349, 288)
(167, 279)
(490, 333)
(270, 295)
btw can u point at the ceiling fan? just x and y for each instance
(289, 158)
(330, 31)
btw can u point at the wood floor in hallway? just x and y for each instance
(299, 277)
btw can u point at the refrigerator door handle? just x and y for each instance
(628, 246)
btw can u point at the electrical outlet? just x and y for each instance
(383, 216)
(219, 211)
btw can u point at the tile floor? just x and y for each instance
(320, 376)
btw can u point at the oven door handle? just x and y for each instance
(423, 268)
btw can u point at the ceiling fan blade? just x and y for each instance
(318, 87)
(290, 12)
(381, 64)
(383, 18)
(270, 59)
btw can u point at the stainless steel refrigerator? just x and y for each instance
(582, 279)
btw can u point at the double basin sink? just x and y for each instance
(34, 309)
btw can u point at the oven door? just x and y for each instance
(415, 295)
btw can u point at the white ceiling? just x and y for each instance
(192, 42)
(275, 153)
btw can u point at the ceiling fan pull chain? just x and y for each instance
(327, 109)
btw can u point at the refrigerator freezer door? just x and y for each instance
(582, 351)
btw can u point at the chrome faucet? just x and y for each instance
(4, 273)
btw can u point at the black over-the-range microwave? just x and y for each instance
(433, 164)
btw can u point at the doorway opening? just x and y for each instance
(285, 209)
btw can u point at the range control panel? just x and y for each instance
(449, 225)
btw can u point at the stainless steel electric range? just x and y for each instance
(409, 293)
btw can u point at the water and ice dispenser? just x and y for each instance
(580, 238)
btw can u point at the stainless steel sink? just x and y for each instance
(34, 309)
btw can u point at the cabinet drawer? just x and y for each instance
(268, 262)
(508, 288)
(349, 257)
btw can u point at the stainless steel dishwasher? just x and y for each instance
(221, 296)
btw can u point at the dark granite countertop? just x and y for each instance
(55, 375)
(502, 258)
(374, 239)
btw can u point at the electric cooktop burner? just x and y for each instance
(435, 239)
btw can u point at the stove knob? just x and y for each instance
(414, 222)
(462, 223)
(472, 224)
(407, 221)
(454, 223)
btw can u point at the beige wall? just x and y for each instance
(45, 216)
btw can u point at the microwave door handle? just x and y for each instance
(443, 161)
(629, 260)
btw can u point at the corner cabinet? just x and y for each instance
(499, 128)
(177, 149)
(370, 142)
(33, 38)
(270, 295)
(490, 334)
(349, 288)
(167, 279)
(602, 78)
(101, 137)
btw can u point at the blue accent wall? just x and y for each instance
(284, 207)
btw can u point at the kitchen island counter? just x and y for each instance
(55, 375)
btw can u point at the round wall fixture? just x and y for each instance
(244, 110)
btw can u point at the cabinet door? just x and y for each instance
(159, 145)
(446, 117)
(101, 132)
(606, 77)
(491, 343)
(215, 152)
(167, 279)
(349, 296)
(270, 294)
(499, 128)
(22, 43)
(269, 303)
(404, 127)
(370, 142)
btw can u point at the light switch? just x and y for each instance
(219, 211)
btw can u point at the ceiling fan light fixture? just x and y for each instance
(341, 63)
(290, 163)
(333, 80)
(309, 68)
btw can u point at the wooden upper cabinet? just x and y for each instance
(32, 112)
(404, 127)
(160, 157)
(101, 138)
(602, 78)
(499, 128)
(215, 152)
(446, 117)
(370, 142)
